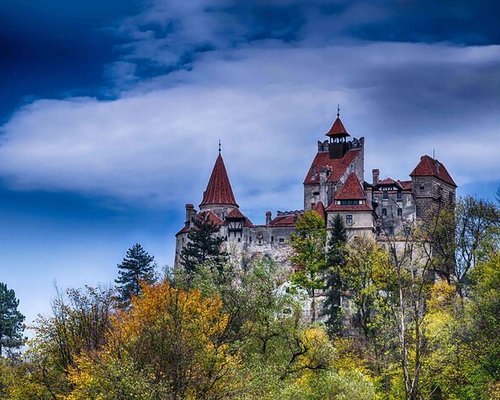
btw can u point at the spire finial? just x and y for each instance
(219, 147)
(338, 110)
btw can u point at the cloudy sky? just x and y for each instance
(110, 114)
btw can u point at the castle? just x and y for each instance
(334, 184)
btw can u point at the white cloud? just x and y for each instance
(269, 105)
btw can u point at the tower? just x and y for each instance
(218, 197)
(432, 186)
(335, 159)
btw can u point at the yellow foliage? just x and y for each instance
(170, 344)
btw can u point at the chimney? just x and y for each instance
(190, 211)
(268, 218)
(375, 175)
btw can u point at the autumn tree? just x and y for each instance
(462, 236)
(308, 244)
(78, 324)
(204, 246)
(137, 266)
(11, 321)
(336, 256)
(171, 343)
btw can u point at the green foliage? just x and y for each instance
(11, 321)
(308, 244)
(138, 266)
(204, 246)
(336, 257)
(79, 323)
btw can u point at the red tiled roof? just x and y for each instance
(353, 208)
(219, 188)
(183, 230)
(387, 181)
(208, 215)
(337, 129)
(406, 185)
(320, 209)
(351, 189)
(337, 165)
(431, 167)
(284, 220)
(236, 213)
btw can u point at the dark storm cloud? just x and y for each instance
(172, 34)
(51, 48)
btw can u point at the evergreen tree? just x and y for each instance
(203, 246)
(335, 258)
(11, 321)
(138, 266)
(308, 243)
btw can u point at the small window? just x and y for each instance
(400, 212)
(399, 196)
(282, 240)
(348, 219)
(422, 187)
(272, 238)
(316, 193)
(239, 240)
(384, 212)
(390, 230)
(385, 195)
(451, 197)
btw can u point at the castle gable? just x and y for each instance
(351, 189)
(335, 168)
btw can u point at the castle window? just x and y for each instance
(385, 195)
(390, 230)
(349, 202)
(316, 193)
(384, 212)
(282, 240)
(272, 238)
(399, 196)
(400, 212)
(451, 197)
(422, 187)
(239, 240)
(348, 219)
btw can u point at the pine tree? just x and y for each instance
(336, 258)
(11, 321)
(203, 246)
(138, 266)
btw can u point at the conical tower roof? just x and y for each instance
(337, 129)
(219, 191)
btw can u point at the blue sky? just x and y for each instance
(111, 112)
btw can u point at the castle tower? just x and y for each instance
(218, 196)
(432, 186)
(338, 135)
(336, 158)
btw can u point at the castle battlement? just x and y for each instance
(334, 185)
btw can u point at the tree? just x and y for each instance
(336, 255)
(171, 344)
(308, 243)
(79, 323)
(203, 246)
(138, 266)
(11, 321)
(461, 237)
